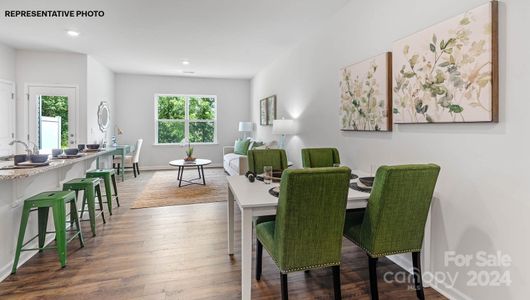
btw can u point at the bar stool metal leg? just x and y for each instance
(21, 233)
(60, 231)
(43, 224)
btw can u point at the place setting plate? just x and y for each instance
(275, 191)
(70, 156)
(363, 184)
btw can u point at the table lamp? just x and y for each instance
(246, 127)
(283, 127)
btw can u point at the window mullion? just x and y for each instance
(187, 118)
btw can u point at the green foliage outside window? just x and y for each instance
(170, 132)
(53, 106)
(172, 119)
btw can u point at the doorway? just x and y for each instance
(7, 117)
(52, 117)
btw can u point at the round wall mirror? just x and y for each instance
(103, 116)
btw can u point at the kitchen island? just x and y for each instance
(16, 185)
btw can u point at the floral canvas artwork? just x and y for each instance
(366, 95)
(447, 73)
(267, 110)
(271, 109)
(263, 112)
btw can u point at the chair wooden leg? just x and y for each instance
(418, 284)
(336, 282)
(137, 168)
(134, 170)
(259, 256)
(372, 266)
(119, 168)
(115, 186)
(285, 293)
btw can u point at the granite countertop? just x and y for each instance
(55, 163)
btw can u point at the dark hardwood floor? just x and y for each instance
(178, 252)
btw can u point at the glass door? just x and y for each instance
(52, 117)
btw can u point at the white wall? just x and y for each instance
(100, 87)
(482, 196)
(42, 67)
(7, 63)
(135, 113)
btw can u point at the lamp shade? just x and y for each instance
(246, 126)
(284, 126)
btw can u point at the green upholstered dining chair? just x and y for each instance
(257, 159)
(394, 220)
(307, 231)
(320, 157)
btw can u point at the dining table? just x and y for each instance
(253, 200)
(120, 150)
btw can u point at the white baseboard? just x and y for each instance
(448, 291)
(5, 271)
(439, 286)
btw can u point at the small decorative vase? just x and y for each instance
(189, 158)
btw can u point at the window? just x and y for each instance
(180, 117)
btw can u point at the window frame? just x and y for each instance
(186, 119)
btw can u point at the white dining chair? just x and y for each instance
(131, 160)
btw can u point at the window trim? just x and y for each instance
(186, 119)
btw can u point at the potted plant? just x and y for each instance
(189, 151)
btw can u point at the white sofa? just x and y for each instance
(234, 164)
(237, 164)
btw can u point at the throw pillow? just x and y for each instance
(241, 147)
(255, 144)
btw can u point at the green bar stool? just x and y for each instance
(108, 176)
(90, 188)
(42, 203)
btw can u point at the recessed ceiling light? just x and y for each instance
(185, 62)
(189, 72)
(72, 33)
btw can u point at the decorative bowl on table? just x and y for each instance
(39, 158)
(71, 151)
(20, 158)
(190, 159)
(367, 181)
(57, 152)
(92, 146)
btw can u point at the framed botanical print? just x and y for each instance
(448, 73)
(366, 95)
(271, 109)
(267, 110)
(263, 112)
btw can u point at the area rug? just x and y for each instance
(163, 189)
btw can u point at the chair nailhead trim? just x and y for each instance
(310, 267)
(384, 253)
(301, 268)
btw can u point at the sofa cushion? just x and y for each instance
(233, 160)
(241, 146)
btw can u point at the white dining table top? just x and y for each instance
(256, 194)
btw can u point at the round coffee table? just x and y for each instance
(182, 164)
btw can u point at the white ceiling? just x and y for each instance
(221, 38)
